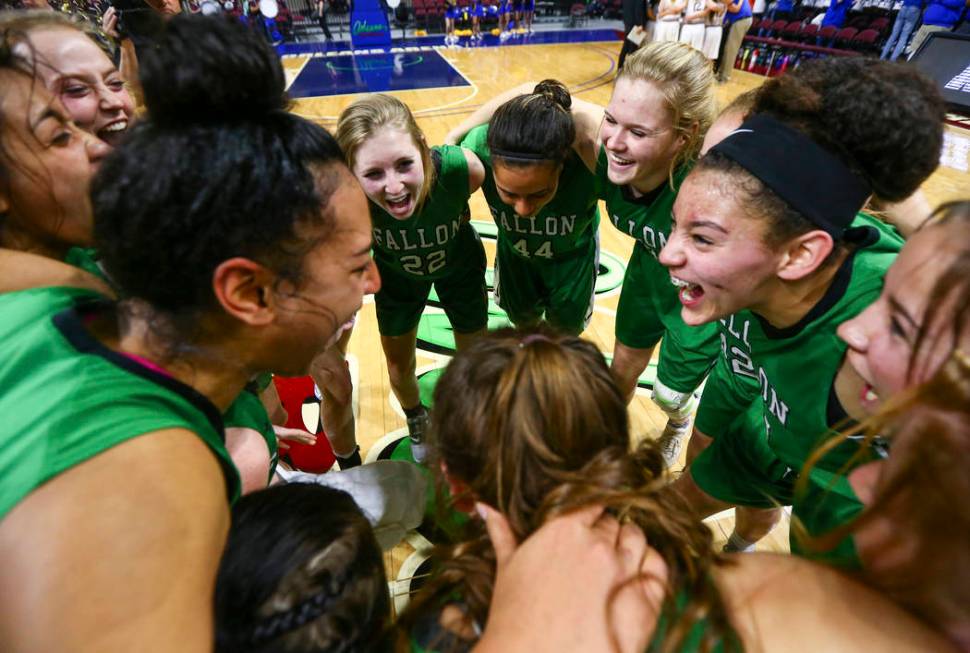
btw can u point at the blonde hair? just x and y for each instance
(685, 78)
(371, 113)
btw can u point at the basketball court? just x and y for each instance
(442, 86)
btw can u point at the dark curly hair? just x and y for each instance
(883, 120)
(302, 572)
(218, 169)
(538, 127)
(533, 424)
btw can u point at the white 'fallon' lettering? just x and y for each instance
(407, 240)
(552, 225)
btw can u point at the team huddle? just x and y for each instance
(158, 269)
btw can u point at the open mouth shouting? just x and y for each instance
(400, 206)
(114, 132)
(868, 398)
(690, 294)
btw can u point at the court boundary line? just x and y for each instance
(590, 84)
(465, 77)
(600, 80)
(435, 49)
(577, 88)
(573, 91)
(306, 61)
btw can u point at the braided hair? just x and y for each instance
(302, 571)
(302, 613)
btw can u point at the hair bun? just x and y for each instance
(556, 91)
(210, 68)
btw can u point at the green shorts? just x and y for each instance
(649, 311)
(560, 290)
(739, 467)
(726, 397)
(462, 293)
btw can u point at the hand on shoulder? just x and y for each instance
(551, 590)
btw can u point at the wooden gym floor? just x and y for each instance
(588, 70)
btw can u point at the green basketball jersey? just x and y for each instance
(646, 219)
(67, 398)
(672, 609)
(242, 412)
(564, 227)
(794, 368)
(649, 306)
(424, 246)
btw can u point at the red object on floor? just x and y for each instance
(294, 393)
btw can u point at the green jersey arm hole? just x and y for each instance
(251, 441)
(68, 398)
(476, 171)
(251, 456)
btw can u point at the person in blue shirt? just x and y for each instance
(939, 16)
(737, 20)
(783, 10)
(906, 20)
(835, 14)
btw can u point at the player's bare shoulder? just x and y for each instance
(780, 602)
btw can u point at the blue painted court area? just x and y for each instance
(490, 41)
(371, 73)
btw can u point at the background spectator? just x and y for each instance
(737, 20)
(783, 10)
(668, 20)
(835, 14)
(135, 25)
(939, 16)
(906, 20)
(322, 19)
(634, 14)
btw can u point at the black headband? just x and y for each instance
(524, 156)
(811, 179)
